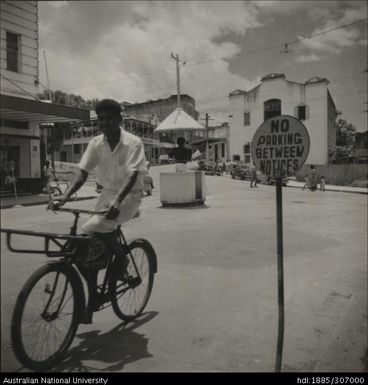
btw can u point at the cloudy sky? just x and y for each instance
(122, 49)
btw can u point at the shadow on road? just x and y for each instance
(110, 351)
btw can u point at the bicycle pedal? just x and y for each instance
(132, 281)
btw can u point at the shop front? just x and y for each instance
(22, 154)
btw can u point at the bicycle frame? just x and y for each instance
(67, 253)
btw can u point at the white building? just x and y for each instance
(310, 102)
(21, 111)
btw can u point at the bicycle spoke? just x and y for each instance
(131, 297)
(47, 322)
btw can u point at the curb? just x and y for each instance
(335, 190)
(16, 205)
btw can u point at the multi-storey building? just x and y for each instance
(21, 111)
(310, 102)
(156, 111)
(76, 139)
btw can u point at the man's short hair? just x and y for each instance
(180, 140)
(108, 105)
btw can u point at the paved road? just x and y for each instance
(214, 301)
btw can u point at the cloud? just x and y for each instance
(336, 41)
(123, 49)
(307, 58)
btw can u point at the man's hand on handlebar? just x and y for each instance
(55, 203)
(113, 211)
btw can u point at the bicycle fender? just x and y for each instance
(148, 245)
(81, 300)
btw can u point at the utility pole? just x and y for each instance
(207, 118)
(178, 62)
(47, 76)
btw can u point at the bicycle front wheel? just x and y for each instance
(130, 297)
(45, 318)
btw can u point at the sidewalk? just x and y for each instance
(348, 189)
(329, 187)
(86, 192)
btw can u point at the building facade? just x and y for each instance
(157, 110)
(21, 111)
(213, 144)
(76, 139)
(310, 102)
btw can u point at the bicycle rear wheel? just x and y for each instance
(45, 317)
(130, 297)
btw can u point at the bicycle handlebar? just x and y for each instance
(78, 211)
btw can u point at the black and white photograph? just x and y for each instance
(184, 189)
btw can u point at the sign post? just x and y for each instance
(279, 148)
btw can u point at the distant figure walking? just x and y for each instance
(313, 179)
(49, 174)
(322, 184)
(306, 182)
(253, 177)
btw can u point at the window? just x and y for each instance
(236, 158)
(302, 112)
(12, 52)
(272, 108)
(247, 148)
(14, 123)
(223, 150)
(77, 148)
(62, 156)
(247, 158)
(246, 118)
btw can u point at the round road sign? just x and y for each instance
(280, 146)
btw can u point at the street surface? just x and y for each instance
(214, 301)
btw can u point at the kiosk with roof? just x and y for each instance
(181, 188)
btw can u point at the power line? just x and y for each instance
(232, 57)
(21, 88)
(283, 44)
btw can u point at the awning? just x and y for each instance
(179, 120)
(28, 110)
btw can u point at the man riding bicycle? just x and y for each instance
(119, 160)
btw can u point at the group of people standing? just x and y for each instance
(311, 181)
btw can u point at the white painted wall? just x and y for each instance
(291, 94)
(20, 17)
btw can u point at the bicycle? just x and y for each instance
(52, 302)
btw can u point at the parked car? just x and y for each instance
(240, 171)
(209, 168)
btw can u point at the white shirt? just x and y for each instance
(113, 167)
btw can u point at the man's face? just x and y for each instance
(109, 122)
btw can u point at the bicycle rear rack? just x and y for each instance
(49, 238)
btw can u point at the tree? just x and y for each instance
(72, 100)
(61, 129)
(345, 141)
(345, 135)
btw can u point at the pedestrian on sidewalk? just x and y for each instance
(253, 177)
(313, 179)
(322, 184)
(306, 182)
(49, 173)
